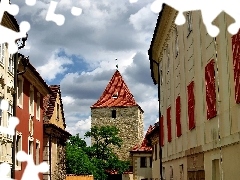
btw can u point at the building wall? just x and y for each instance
(6, 78)
(202, 143)
(138, 171)
(129, 121)
(23, 128)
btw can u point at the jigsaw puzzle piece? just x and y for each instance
(31, 171)
(209, 14)
(4, 171)
(12, 9)
(51, 16)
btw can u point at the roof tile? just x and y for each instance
(117, 87)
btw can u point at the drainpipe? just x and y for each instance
(159, 111)
(14, 114)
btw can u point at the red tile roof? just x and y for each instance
(143, 147)
(116, 87)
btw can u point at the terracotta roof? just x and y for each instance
(152, 130)
(118, 88)
(49, 102)
(143, 147)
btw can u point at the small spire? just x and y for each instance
(116, 64)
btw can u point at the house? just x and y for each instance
(117, 107)
(29, 132)
(152, 137)
(198, 79)
(142, 161)
(55, 135)
(6, 89)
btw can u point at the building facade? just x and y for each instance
(199, 84)
(6, 89)
(29, 132)
(55, 135)
(141, 155)
(117, 107)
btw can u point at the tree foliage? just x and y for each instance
(97, 159)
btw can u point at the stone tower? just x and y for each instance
(117, 107)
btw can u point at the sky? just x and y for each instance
(80, 55)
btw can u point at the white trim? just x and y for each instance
(19, 166)
(39, 147)
(31, 100)
(20, 78)
(32, 140)
(38, 107)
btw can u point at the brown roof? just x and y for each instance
(152, 130)
(118, 88)
(37, 75)
(49, 102)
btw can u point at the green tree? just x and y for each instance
(97, 159)
(77, 161)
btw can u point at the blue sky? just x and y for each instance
(80, 55)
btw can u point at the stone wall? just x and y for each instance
(129, 121)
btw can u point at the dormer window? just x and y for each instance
(114, 113)
(115, 95)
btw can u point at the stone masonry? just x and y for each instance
(129, 121)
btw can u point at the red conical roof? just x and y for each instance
(116, 94)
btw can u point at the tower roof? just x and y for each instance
(116, 94)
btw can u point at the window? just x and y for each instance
(155, 151)
(38, 110)
(191, 106)
(114, 114)
(210, 90)
(30, 146)
(161, 74)
(215, 169)
(20, 92)
(163, 172)
(11, 64)
(31, 125)
(176, 43)
(169, 127)
(171, 173)
(150, 160)
(31, 102)
(2, 53)
(37, 160)
(189, 22)
(143, 162)
(9, 114)
(57, 111)
(161, 131)
(181, 172)
(178, 117)
(18, 147)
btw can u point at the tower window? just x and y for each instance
(114, 113)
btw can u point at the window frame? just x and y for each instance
(11, 64)
(18, 164)
(38, 107)
(143, 164)
(2, 52)
(31, 101)
(20, 89)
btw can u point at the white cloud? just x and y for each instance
(54, 66)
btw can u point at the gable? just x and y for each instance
(55, 112)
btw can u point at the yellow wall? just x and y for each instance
(82, 177)
(54, 120)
